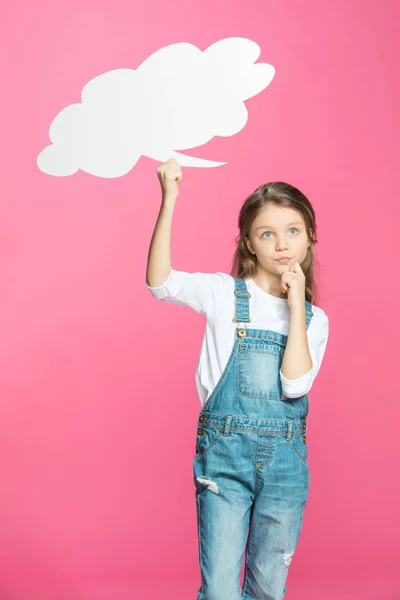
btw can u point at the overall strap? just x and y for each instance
(242, 309)
(309, 313)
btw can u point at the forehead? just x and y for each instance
(276, 216)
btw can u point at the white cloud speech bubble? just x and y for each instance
(178, 98)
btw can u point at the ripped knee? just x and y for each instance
(209, 483)
(287, 557)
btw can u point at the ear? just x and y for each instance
(248, 244)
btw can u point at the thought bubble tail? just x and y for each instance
(192, 161)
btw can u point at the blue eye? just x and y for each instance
(291, 229)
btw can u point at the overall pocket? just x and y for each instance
(300, 447)
(258, 371)
(207, 437)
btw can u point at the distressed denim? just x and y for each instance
(250, 469)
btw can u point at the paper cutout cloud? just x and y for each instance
(178, 98)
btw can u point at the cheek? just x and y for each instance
(304, 254)
(301, 252)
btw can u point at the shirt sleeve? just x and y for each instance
(198, 291)
(317, 334)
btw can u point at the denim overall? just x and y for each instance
(250, 468)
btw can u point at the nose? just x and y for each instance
(281, 244)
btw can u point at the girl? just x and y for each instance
(262, 349)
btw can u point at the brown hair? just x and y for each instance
(244, 263)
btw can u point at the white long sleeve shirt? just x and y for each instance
(212, 294)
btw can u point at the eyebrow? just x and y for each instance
(270, 227)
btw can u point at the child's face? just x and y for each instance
(278, 232)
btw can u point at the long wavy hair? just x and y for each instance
(279, 193)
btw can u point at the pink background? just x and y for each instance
(98, 401)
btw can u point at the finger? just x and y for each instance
(175, 171)
(297, 268)
(173, 175)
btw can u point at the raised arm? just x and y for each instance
(159, 257)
